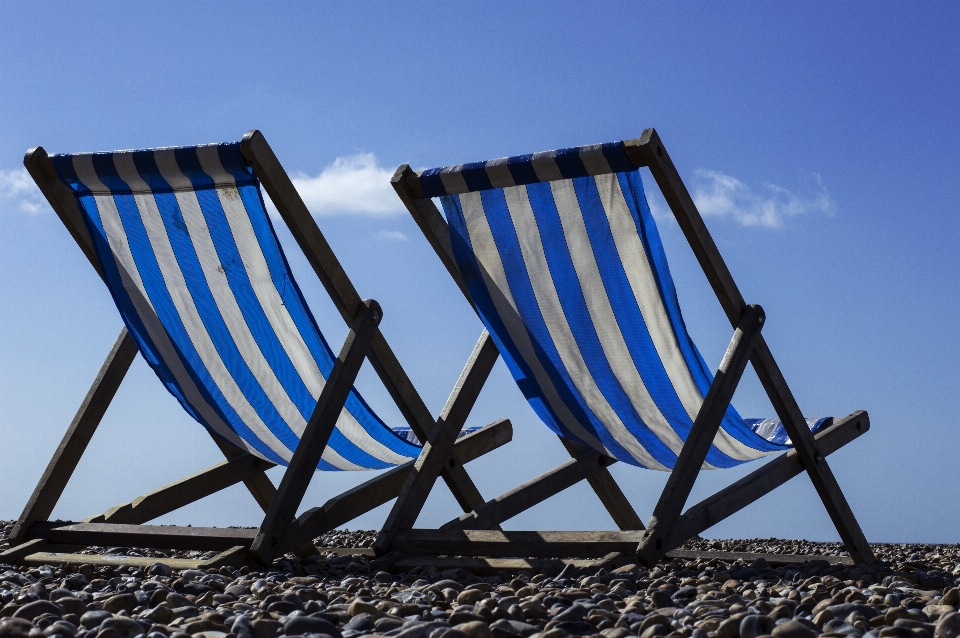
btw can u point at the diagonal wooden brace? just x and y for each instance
(315, 436)
(700, 438)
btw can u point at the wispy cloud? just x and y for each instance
(353, 185)
(17, 188)
(720, 195)
(391, 235)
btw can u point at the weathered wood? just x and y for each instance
(607, 490)
(701, 436)
(762, 481)
(437, 451)
(775, 560)
(648, 151)
(315, 436)
(232, 557)
(381, 489)
(64, 460)
(62, 200)
(155, 536)
(524, 544)
(533, 492)
(192, 488)
(305, 231)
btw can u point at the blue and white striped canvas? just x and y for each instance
(193, 264)
(565, 266)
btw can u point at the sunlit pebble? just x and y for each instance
(914, 586)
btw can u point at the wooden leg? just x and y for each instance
(296, 479)
(761, 481)
(609, 493)
(185, 491)
(813, 459)
(437, 451)
(77, 437)
(704, 430)
(386, 487)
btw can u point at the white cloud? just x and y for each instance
(353, 185)
(18, 188)
(392, 235)
(719, 195)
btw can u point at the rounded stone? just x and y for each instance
(15, 627)
(37, 608)
(120, 602)
(793, 629)
(93, 619)
(948, 626)
(300, 625)
(475, 629)
(358, 607)
(470, 597)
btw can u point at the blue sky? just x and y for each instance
(819, 139)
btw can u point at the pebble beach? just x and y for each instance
(911, 591)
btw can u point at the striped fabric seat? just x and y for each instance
(196, 270)
(565, 266)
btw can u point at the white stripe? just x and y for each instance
(594, 160)
(604, 320)
(538, 271)
(499, 173)
(255, 264)
(133, 285)
(453, 181)
(193, 324)
(545, 166)
(495, 280)
(639, 273)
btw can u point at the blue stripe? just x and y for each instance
(569, 162)
(521, 168)
(616, 158)
(475, 176)
(431, 184)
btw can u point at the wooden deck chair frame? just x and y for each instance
(37, 540)
(669, 527)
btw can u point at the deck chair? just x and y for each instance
(183, 241)
(559, 255)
